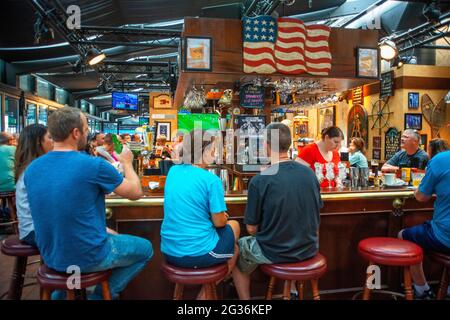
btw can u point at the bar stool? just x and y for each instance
(14, 247)
(207, 277)
(311, 269)
(444, 260)
(52, 280)
(391, 252)
(9, 198)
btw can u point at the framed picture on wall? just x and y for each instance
(413, 121)
(423, 142)
(326, 117)
(367, 63)
(163, 128)
(413, 100)
(162, 101)
(197, 54)
(376, 142)
(376, 154)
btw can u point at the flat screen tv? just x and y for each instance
(124, 101)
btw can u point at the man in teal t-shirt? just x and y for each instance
(7, 154)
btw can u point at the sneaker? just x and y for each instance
(427, 295)
(294, 296)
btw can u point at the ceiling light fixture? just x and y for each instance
(94, 56)
(388, 49)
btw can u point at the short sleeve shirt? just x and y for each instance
(191, 196)
(437, 181)
(66, 193)
(402, 159)
(285, 205)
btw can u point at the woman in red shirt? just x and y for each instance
(324, 152)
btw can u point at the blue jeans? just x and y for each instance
(128, 256)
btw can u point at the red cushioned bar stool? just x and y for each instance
(13, 247)
(207, 277)
(391, 252)
(308, 270)
(444, 260)
(51, 280)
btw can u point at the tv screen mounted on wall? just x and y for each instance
(124, 101)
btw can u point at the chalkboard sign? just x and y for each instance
(387, 84)
(391, 143)
(251, 96)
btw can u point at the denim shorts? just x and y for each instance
(223, 251)
(250, 255)
(423, 235)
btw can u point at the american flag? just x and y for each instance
(285, 45)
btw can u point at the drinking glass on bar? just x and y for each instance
(319, 171)
(330, 173)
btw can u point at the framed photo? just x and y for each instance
(423, 142)
(197, 54)
(163, 128)
(326, 118)
(376, 154)
(162, 101)
(413, 121)
(367, 63)
(376, 142)
(413, 100)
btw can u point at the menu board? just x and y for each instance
(392, 143)
(387, 84)
(251, 96)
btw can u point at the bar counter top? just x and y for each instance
(157, 198)
(347, 217)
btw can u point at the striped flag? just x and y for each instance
(259, 35)
(286, 46)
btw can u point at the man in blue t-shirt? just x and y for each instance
(411, 156)
(66, 191)
(433, 235)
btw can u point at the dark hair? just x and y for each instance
(108, 139)
(62, 121)
(332, 132)
(437, 145)
(192, 152)
(359, 143)
(284, 136)
(29, 147)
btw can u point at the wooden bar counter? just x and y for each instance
(347, 217)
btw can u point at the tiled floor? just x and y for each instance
(6, 267)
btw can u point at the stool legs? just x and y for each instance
(443, 284)
(178, 292)
(315, 289)
(270, 288)
(407, 283)
(287, 290)
(366, 293)
(45, 295)
(17, 278)
(106, 293)
(300, 290)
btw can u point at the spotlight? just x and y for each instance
(432, 12)
(388, 49)
(94, 56)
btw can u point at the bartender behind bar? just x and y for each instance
(411, 156)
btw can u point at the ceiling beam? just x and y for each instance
(133, 31)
